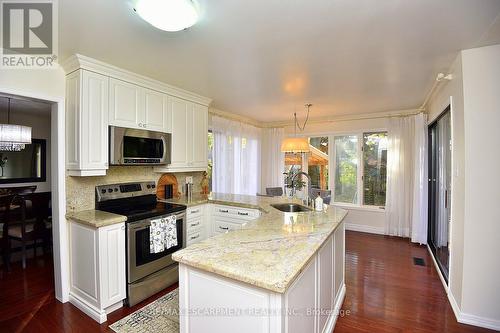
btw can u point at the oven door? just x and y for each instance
(141, 262)
(138, 147)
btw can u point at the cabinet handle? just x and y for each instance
(140, 125)
(123, 227)
(195, 224)
(224, 228)
(223, 210)
(243, 214)
(194, 237)
(143, 125)
(195, 211)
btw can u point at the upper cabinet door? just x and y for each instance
(180, 139)
(94, 119)
(200, 136)
(87, 96)
(155, 111)
(126, 104)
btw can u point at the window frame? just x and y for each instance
(360, 170)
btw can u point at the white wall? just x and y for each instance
(474, 288)
(40, 125)
(481, 283)
(452, 92)
(358, 219)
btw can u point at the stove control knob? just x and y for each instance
(148, 186)
(153, 186)
(116, 189)
(103, 191)
(110, 190)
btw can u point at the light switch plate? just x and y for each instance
(189, 179)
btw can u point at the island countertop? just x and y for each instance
(269, 252)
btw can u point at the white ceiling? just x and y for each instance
(263, 58)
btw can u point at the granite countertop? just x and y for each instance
(96, 218)
(239, 200)
(269, 252)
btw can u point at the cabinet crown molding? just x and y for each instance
(78, 61)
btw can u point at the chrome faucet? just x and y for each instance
(307, 199)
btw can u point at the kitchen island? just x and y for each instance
(282, 272)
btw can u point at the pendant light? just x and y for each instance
(295, 144)
(13, 137)
(168, 15)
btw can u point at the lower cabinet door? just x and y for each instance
(112, 264)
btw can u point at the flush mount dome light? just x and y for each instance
(168, 15)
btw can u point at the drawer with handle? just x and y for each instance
(236, 212)
(195, 237)
(194, 211)
(194, 223)
(221, 226)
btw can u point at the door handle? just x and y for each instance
(224, 228)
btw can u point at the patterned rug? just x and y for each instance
(161, 315)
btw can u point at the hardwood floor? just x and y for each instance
(386, 292)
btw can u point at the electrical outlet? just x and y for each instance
(189, 179)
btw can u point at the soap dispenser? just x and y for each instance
(318, 203)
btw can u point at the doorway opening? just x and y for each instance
(30, 197)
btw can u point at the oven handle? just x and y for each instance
(146, 223)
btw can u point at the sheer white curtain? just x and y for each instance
(400, 139)
(236, 157)
(273, 160)
(420, 192)
(406, 201)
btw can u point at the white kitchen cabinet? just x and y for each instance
(156, 111)
(227, 218)
(87, 96)
(196, 223)
(126, 104)
(310, 304)
(98, 276)
(133, 106)
(189, 126)
(199, 157)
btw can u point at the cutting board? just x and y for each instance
(167, 179)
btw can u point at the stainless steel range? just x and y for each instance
(147, 273)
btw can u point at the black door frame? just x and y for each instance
(431, 207)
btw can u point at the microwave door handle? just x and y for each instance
(164, 148)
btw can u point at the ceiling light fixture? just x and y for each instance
(168, 15)
(295, 144)
(13, 137)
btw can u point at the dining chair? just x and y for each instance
(25, 225)
(274, 191)
(5, 201)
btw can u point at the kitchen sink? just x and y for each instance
(291, 208)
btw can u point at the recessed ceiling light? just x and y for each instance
(168, 15)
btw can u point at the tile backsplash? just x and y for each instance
(80, 191)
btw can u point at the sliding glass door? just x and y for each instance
(440, 189)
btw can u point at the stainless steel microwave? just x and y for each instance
(129, 146)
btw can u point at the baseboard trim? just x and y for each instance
(332, 320)
(364, 228)
(469, 319)
(89, 310)
(461, 317)
(441, 277)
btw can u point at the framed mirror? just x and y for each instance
(25, 166)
